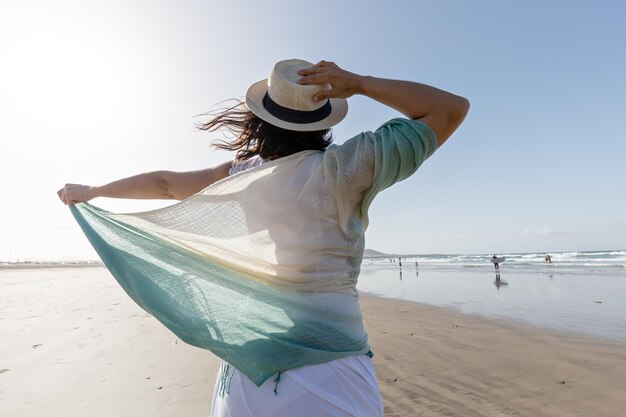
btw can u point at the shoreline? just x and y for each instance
(567, 303)
(49, 265)
(502, 320)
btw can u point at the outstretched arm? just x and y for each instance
(151, 185)
(441, 110)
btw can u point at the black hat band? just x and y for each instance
(296, 116)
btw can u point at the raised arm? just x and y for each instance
(151, 185)
(441, 110)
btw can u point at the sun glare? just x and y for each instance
(56, 69)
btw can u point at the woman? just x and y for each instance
(269, 246)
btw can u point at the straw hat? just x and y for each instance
(281, 101)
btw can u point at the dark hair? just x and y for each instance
(254, 136)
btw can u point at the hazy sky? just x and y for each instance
(92, 91)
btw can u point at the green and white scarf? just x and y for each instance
(261, 267)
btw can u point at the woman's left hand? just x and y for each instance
(74, 193)
(343, 84)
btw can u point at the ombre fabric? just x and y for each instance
(249, 268)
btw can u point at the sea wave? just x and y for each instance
(572, 262)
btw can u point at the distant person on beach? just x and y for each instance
(400, 262)
(306, 213)
(548, 259)
(496, 262)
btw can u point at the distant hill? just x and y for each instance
(371, 253)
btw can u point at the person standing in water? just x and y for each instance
(496, 263)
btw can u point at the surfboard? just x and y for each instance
(498, 260)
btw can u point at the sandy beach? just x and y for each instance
(73, 344)
(432, 361)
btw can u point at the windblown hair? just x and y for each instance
(253, 136)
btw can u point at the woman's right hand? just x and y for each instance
(75, 193)
(343, 84)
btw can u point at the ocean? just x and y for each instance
(578, 292)
(579, 263)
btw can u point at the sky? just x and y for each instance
(93, 91)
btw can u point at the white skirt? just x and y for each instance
(341, 388)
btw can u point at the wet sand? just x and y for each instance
(73, 344)
(582, 303)
(433, 361)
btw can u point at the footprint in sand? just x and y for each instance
(37, 345)
(3, 370)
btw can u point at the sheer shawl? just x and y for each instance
(261, 267)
